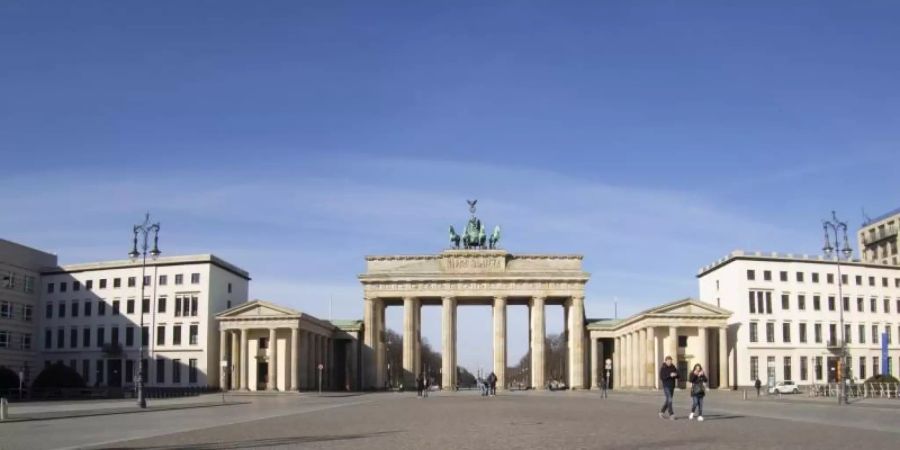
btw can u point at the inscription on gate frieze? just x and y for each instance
(473, 263)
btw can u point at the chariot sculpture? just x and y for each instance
(474, 236)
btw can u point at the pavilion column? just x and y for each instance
(576, 343)
(417, 350)
(370, 333)
(245, 373)
(642, 357)
(538, 331)
(500, 341)
(636, 358)
(271, 383)
(295, 365)
(624, 359)
(235, 365)
(702, 352)
(673, 345)
(380, 346)
(651, 360)
(617, 362)
(724, 379)
(448, 338)
(223, 356)
(409, 342)
(594, 366)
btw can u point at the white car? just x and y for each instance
(785, 387)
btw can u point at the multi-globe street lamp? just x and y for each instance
(144, 229)
(837, 228)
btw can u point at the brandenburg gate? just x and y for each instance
(474, 273)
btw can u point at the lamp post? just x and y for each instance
(144, 229)
(836, 228)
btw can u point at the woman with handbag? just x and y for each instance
(698, 391)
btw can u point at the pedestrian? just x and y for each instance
(426, 384)
(492, 382)
(482, 385)
(420, 385)
(758, 385)
(698, 391)
(667, 376)
(603, 386)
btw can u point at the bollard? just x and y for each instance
(4, 406)
(745, 394)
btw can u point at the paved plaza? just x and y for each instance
(461, 421)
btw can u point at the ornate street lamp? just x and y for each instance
(144, 230)
(836, 229)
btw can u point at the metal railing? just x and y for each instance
(867, 390)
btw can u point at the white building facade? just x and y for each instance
(20, 275)
(786, 316)
(90, 317)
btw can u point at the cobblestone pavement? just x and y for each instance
(466, 421)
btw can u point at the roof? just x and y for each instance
(672, 309)
(886, 215)
(164, 261)
(786, 257)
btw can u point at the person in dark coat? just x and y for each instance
(492, 382)
(668, 374)
(698, 391)
(420, 385)
(758, 385)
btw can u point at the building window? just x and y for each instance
(817, 303)
(179, 279)
(50, 287)
(818, 367)
(88, 285)
(87, 308)
(845, 279)
(829, 278)
(176, 371)
(859, 280)
(103, 283)
(4, 339)
(801, 302)
(98, 374)
(48, 310)
(61, 311)
(75, 308)
(751, 275)
(86, 337)
(831, 305)
(229, 287)
(176, 334)
(859, 304)
(161, 305)
(862, 334)
(73, 338)
(785, 301)
(799, 277)
(146, 280)
(129, 306)
(767, 275)
(131, 281)
(85, 370)
(817, 333)
(145, 336)
(101, 336)
(783, 276)
(194, 305)
(770, 332)
(754, 368)
(27, 313)
(115, 335)
(129, 336)
(62, 286)
(770, 368)
(768, 303)
(804, 362)
(48, 338)
(195, 278)
(194, 334)
(145, 305)
(887, 333)
(115, 308)
(753, 332)
(129, 370)
(847, 332)
(161, 335)
(787, 368)
(177, 306)
(802, 333)
(101, 308)
(875, 365)
(76, 285)
(117, 283)
(5, 310)
(887, 306)
(862, 367)
(815, 277)
(752, 303)
(875, 339)
(884, 282)
(60, 338)
(873, 305)
(846, 303)
(160, 371)
(163, 280)
(832, 335)
(192, 370)
(871, 281)
(786, 332)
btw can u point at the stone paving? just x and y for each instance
(468, 421)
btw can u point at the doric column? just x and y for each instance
(245, 372)
(673, 345)
(499, 317)
(723, 376)
(295, 364)
(235, 360)
(409, 342)
(448, 339)
(380, 346)
(633, 358)
(642, 357)
(538, 332)
(272, 383)
(370, 334)
(703, 350)
(576, 343)
(650, 361)
(595, 380)
(624, 366)
(417, 350)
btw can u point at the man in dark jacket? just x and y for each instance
(668, 374)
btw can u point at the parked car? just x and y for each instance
(785, 387)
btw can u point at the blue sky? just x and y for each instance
(293, 138)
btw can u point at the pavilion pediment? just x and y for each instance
(689, 307)
(258, 308)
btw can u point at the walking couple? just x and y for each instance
(668, 374)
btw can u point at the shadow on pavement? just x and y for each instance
(721, 417)
(266, 442)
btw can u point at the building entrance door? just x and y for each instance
(114, 373)
(262, 375)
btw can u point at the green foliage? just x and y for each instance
(8, 379)
(58, 376)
